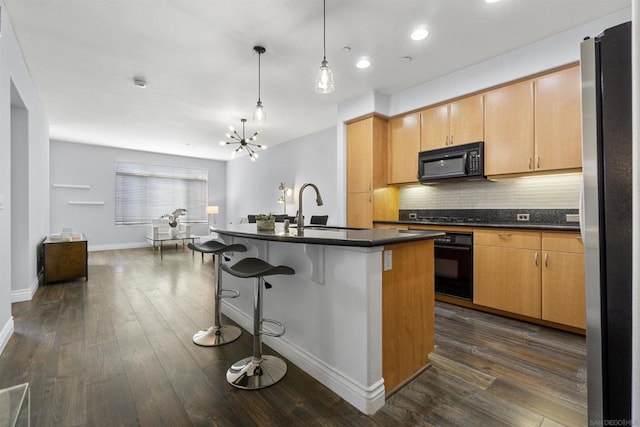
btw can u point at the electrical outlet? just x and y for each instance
(413, 215)
(522, 217)
(573, 218)
(388, 257)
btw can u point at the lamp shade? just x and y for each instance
(212, 210)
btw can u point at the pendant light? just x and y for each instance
(243, 142)
(324, 79)
(259, 116)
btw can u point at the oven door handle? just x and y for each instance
(455, 248)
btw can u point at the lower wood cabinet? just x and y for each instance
(507, 271)
(65, 260)
(563, 289)
(534, 274)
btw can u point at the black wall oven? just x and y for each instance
(454, 264)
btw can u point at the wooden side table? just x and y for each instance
(64, 260)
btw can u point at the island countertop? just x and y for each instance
(328, 235)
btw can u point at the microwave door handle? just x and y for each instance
(466, 164)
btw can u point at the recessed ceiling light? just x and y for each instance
(419, 34)
(491, 1)
(363, 62)
(406, 59)
(346, 49)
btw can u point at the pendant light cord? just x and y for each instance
(324, 29)
(259, 54)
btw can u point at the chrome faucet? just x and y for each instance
(300, 219)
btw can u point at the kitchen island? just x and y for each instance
(358, 312)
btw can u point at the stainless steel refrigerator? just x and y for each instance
(606, 214)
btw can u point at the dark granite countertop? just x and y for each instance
(321, 235)
(523, 226)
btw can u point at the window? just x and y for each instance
(145, 192)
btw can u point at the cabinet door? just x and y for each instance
(404, 145)
(507, 279)
(563, 288)
(558, 118)
(360, 210)
(360, 156)
(509, 129)
(435, 128)
(466, 120)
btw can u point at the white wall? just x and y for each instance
(13, 71)
(252, 187)
(93, 165)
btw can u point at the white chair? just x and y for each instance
(160, 229)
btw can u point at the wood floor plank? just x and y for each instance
(110, 403)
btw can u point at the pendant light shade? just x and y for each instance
(324, 79)
(259, 115)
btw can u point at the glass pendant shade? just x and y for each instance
(324, 78)
(259, 114)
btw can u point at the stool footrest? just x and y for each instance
(269, 333)
(233, 292)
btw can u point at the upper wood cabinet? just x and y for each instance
(458, 122)
(366, 154)
(534, 125)
(368, 196)
(404, 145)
(508, 129)
(558, 120)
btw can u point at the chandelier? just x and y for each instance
(244, 143)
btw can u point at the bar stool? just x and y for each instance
(257, 371)
(218, 334)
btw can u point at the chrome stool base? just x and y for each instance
(252, 374)
(215, 336)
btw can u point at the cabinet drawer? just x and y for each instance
(507, 238)
(562, 242)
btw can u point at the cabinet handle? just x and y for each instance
(529, 162)
(446, 140)
(369, 197)
(370, 186)
(451, 140)
(536, 258)
(538, 162)
(504, 234)
(546, 260)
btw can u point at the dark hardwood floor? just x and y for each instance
(117, 350)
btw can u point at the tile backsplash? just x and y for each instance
(530, 192)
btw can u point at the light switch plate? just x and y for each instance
(388, 256)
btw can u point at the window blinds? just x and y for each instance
(146, 191)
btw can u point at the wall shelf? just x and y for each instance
(81, 186)
(78, 202)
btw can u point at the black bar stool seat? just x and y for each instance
(257, 371)
(218, 334)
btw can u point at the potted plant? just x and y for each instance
(266, 222)
(173, 221)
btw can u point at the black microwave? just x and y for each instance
(458, 162)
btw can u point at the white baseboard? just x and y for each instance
(5, 334)
(116, 246)
(366, 399)
(25, 294)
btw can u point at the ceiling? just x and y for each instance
(202, 73)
